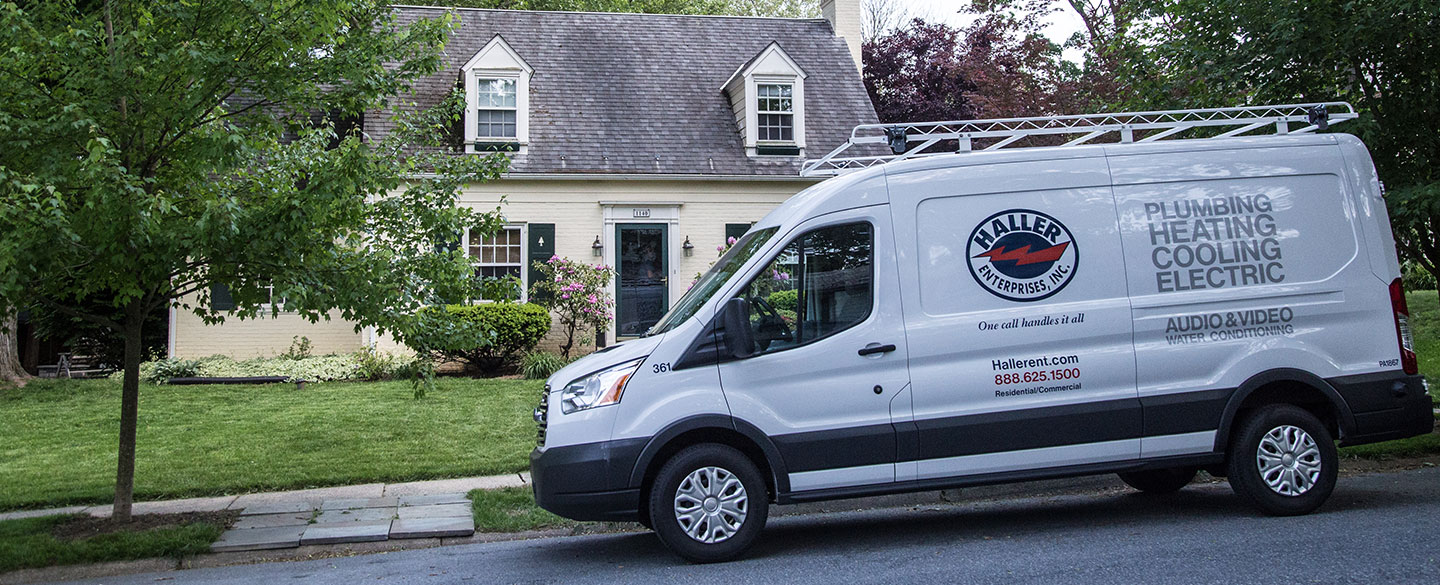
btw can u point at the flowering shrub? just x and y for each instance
(575, 293)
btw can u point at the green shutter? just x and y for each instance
(735, 230)
(220, 299)
(542, 247)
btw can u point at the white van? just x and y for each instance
(1147, 308)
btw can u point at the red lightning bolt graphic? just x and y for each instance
(1023, 255)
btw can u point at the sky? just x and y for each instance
(1059, 28)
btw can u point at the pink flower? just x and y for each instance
(730, 241)
(719, 248)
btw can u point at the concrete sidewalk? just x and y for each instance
(311, 498)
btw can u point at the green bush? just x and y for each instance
(485, 336)
(1416, 277)
(160, 371)
(325, 368)
(539, 365)
(375, 365)
(784, 300)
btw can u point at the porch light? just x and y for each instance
(688, 247)
(597, 247)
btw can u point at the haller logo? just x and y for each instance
(1022, 255)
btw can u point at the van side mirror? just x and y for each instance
(735, 318)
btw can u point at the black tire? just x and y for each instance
(1159, 481)
(664, 492)
(1313, 487)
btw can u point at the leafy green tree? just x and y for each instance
(1383, 56)
(152, 150)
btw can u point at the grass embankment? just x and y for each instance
(57, 446)
(512, 510)
(66, 540)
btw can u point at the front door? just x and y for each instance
(829, 376)
(642, 265)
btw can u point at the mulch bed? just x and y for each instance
(84, 527)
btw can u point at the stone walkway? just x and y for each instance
(354, 513)
(292, 524)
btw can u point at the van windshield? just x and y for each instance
(713, 279)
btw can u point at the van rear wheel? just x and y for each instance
(708, 503)
(1283, 461)
(1159, 481)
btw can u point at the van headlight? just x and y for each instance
(598, 389)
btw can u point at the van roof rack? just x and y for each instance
(910, 140)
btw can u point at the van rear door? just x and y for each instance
(1021, 354)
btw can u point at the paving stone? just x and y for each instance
(434, 499)
(259, 539)
(437, 511)
(461, 485)
(39, 513)
(346, 532)
(272, 520)
(355, 503)
(432, 527)
(312, 496)
(360, 515)
(295, 507)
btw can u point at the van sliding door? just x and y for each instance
(1016, 311)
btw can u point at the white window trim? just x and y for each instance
(270, 306)
(748, 92)
(502, 62)
(524, 258)
(791, 113)
(515, 108)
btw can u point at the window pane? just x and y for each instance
(818, 285)
(495, 123)
(496, 93)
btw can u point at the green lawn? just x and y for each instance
(30, 543)
(512, 510)
(1425, 324)
(57, 439)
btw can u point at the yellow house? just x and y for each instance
(637, 141)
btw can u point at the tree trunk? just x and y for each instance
(10, 368)
(129, 414)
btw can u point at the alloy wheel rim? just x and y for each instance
(1289, 460)
(711, 505)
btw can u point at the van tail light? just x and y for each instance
(1402, 328)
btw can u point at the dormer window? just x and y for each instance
(495, 109)
(497, 99)
(775, 112)
(768, 96)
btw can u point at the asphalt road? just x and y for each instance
(1375, 529)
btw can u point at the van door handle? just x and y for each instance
(867, 350)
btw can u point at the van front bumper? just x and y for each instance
(587, 482)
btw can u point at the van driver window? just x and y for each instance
(820, 284)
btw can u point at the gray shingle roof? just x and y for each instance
(640, 93)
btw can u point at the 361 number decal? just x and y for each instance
(661, 367)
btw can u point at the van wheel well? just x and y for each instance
(1295, 393)
(717, 435)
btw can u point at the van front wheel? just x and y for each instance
(1283, 461)
(708, 503)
